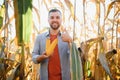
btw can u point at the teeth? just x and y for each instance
(54, 23)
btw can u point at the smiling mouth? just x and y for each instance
(55, 24)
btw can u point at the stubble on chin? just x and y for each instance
(55, 27)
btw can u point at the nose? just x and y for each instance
(54, 19)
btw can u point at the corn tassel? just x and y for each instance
(50, 46)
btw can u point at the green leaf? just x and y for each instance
(104, 64)
(23, 15)
(2, 12)
(75, 64)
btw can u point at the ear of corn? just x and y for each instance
(75, 63)
(50, 46)
(47, 44)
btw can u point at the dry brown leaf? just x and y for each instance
(37, 12)
(70, 6)
(6, 25)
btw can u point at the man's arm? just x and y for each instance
(36, 56)
(41, 57)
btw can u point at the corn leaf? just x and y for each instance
(104, 64)
(15, 73)
(89, 43)
(110, 6)
(23, 15)
(7, 23)
(75, 64)
(70, 6)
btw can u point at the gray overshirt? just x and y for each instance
(64, 53)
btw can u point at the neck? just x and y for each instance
(54, 32)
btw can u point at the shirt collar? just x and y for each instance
(48, 33)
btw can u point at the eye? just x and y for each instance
(58, 17)
(51, 17)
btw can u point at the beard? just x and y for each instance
(54, 26)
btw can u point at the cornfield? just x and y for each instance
(93, 24)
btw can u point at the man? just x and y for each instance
(56, 65)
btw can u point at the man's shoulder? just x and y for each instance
(42, 34)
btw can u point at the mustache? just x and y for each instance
(54, 22)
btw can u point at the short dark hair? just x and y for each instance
(54, 10)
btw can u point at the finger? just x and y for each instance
(65, 31)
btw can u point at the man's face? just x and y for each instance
(54, 20)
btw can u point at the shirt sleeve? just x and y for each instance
(36, 49)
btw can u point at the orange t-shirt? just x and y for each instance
(54, 68)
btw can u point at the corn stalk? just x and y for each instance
(23, 23)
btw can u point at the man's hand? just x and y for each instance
(42, 57)
(66, 37)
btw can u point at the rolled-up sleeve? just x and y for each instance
(36, 51)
